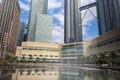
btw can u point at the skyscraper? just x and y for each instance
(43, 28)
(9, 23)
(108, 15)
(40, 24)
(72, 24)
(21, 33)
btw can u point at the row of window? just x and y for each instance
(71, 55)
(39, 49)
(75, 51)
(42, 74)
(39, 55)
(105, 42)
(116, 51)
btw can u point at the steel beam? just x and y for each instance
(88, 6)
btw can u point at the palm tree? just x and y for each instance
(43, 70)
(10, 59)
(36, 70)
(37, 60)
(31, 57)
(28, 72)
(16, 59)
(21, 72)
(101, 58)
(113, 58)
(23, 59)
(44, 60)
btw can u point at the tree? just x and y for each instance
(101, 58)
(36, 70)
(28, 72)
(23, 59)
(10, 59)
(44, 60)
(21, 72)
(16, 58)
(113, 57)
(37, 60)
(31, 57)
(43, 70)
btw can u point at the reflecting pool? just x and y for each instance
(58, 73)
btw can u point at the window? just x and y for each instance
(41, 55)
(35, 55)
(46, 55)
(23, 54)
(30, 49)
(35, 49)
(41, 49)
(24, 48)
(29, 55)
(51, 55)
(39, 74)
(56, 56)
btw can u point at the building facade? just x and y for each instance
(40, 24)
(72, 52)
(86, 48)
(49, 51)
(72, 23)
(105, 44)
(43, 30)
(108, 15)
(9, 23)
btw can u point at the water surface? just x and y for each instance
(58, 73)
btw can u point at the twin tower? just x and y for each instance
(40, 24)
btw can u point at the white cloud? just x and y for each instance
(24, 6)
(84, 31)
(58, 31)
(29, 0)
(89, 16)
(60, 18)
(58, 34)
(24, 20)
(86, 22)
(53, 4)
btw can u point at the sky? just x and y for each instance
(56, 9)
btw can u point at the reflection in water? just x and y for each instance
(58, 73)
(31, 74)
(68, 73)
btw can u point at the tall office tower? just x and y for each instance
(108, 15)
(9, 23)
(72, 24)
(40, 24)
(21, 33)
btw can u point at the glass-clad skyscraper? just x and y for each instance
(72, 24)
(39, 20)
(108, 15)
(43, 28)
